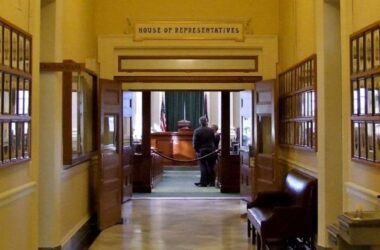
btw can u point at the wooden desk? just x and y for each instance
(177, 145)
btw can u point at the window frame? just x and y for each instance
(298, 106)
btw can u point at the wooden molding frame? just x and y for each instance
(253, 58)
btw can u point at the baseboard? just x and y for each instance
(50, 248)
(82, 239)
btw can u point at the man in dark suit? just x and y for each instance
(204, 143)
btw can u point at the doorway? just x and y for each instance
(173, 169)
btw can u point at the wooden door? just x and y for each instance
(265, 167)
(109, 172)
(127, 148)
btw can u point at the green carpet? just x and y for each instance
(180, 184)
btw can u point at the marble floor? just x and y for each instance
(178, 224)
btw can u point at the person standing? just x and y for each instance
(204, 143)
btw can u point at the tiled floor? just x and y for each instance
(183, 224)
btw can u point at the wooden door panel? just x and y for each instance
(109, 180)
(265, 155)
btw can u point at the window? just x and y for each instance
(365, 94)
(298, 102)
(79, 102)
(15, 90)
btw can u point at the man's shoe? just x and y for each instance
(197, 184)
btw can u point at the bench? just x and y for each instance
(285, 215)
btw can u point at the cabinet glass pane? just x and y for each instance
(14, 49)
(377, 141)
(13, 140)
(109, 142)
(27, 55)
(26, 140)
(354, 55)
(7, 46)
(21, 52)
(371, 153)
(369, 96)
(361, 53)
(376, 48)
(368, 50)
(13, 97)
(362, 92)
(363, 140)
(356, 139)
(6, 145)
(246, 131)
(26, 97)
(7, 89)
(1, 44)
(376, 84)
(21, 97)
(75, 126)
(19, 134)
(1, 93)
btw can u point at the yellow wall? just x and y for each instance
(362, 182)
(297, 40)
(18, 189)
(67, 33)
(75, 209)
(78, 37)
(112, 18)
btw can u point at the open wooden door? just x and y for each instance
(108, 179)
(265, 167)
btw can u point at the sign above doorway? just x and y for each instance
(188, 30)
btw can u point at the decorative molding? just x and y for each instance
(17, 193)
(362, 193)
(293, 164)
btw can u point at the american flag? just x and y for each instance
(163, 116)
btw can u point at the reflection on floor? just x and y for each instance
(180, 183)
(183, 224)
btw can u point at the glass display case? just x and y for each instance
(15, 91)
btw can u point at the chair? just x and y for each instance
(285, 215)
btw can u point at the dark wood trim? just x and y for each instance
(65, 66)
(303, 148)
(14, 162)
(50, 248)
(67, 117)
(254, 58)
(313, 56)
(367, 28)
(188, 79)
(15, 27)
(16, 72)
(365, 74)
(80, 159)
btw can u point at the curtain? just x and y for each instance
(180, 102)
